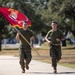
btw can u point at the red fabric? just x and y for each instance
(14, 17)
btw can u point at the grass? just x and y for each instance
(68, 54)
(68, 65)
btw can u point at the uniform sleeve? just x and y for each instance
(61, 34)
(21, 33)
(31, 33)
(48, 34)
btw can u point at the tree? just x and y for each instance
(67, 9)
(28, 10)
(61, 11)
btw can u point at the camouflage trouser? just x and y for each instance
(0, 45)
(25, 54)
(55, 53)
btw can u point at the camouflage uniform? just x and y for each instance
(55, 47)
(25, 49)
(0, 41)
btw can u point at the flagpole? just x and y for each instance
(8, 14)
(26, 40)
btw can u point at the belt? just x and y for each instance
(56, 44)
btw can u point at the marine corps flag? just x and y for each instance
(14, 17)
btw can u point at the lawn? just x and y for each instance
(68, 54)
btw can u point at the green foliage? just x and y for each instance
(43, 12)
(37, 23)
(30, 13)
(60, 11)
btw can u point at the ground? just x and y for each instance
(68, 54)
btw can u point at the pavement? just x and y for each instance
(9, 65)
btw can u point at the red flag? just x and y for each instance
(14, 17)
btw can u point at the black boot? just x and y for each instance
(27, 66)
(55, 70)
(23, 69)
